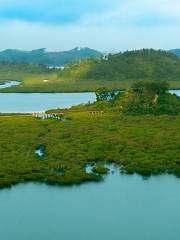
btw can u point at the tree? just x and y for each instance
(102, 94)
(150, 87)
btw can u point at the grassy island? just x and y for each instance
(138, 131)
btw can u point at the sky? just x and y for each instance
(105, 25)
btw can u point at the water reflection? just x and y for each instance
(122, 207)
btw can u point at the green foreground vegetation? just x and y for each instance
(116, 71)
(138, 131)
(138, 144)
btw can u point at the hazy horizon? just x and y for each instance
(69, 49)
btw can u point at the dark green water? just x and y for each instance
(122, 207)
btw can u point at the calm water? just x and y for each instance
(9, 83)
(123, 207)
(35, 102)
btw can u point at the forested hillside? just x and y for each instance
(143, 64)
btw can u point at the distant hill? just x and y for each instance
(175, 51)
(142, 64)
(41, 56)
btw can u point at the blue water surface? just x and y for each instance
(38, 102)
(122, 207)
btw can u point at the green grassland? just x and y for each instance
(35, 84)
(31, 76)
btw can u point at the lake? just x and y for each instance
(122, 207)
(38, 102)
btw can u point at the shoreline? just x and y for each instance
(70, 91)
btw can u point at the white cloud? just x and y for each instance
(118, 29)
(129, 13)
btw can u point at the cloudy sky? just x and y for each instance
(107, 25)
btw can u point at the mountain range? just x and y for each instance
(56, 58)
(41, 56)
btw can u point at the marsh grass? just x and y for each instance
(138, 144)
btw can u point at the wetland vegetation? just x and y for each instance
(108, 131)
(138, 144)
